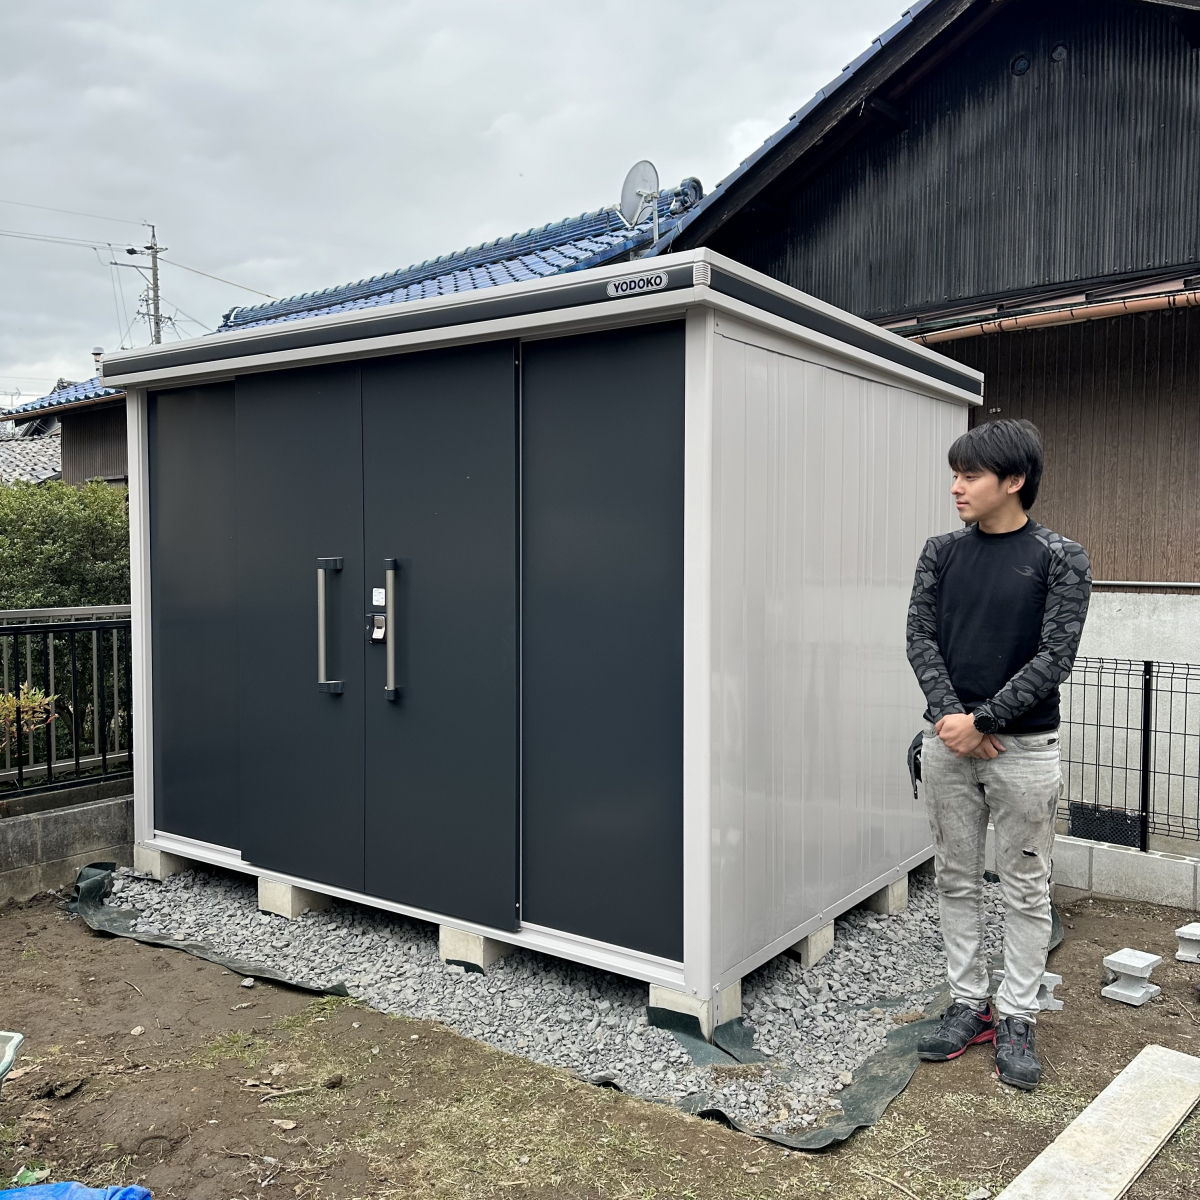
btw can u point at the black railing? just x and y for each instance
(67, 703)
(1131, 750)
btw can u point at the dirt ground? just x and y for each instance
(231, 1092)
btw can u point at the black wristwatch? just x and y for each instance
(985, 722)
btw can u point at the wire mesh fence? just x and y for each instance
(1131, 750)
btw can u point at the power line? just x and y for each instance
(218, 278)
(71, 212)
(55, 239)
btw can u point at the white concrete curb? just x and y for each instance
(1119, 872)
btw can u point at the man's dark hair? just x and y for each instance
(1005, 448)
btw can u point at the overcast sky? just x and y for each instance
(290, 145)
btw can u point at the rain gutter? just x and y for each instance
(1062, 314)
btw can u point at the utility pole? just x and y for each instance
(155, 310)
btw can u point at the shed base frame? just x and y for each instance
(170, 855)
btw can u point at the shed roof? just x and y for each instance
(31, 459)
(588, 240)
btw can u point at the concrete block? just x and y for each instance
(81, 829)
(1189, 942)
(470, 949)
(21, 883)
(1127, 874)
(286, 900)
(18, 843)
(1071, 863)
(1132, 969)
(158, 863)
(814, 947)
(1046, 999)
(710, 1013)
(891, 899)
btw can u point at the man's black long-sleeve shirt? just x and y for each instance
(995, 621)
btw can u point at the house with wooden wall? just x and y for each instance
(1015, 184)
(90, 420)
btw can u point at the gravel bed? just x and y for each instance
(817, 1026)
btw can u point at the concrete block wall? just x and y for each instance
(1120, 873)
(43, 851)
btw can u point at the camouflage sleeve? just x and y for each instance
(1069, 590)
(924, 654)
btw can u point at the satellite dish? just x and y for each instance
(639, 185)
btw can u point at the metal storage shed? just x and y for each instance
(566, 615)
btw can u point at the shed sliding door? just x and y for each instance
(573, 531)
(411, 798)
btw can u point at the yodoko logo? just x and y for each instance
(638, 283)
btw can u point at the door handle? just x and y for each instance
(390, 691)
(334, 686)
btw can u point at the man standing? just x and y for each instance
(993, 627)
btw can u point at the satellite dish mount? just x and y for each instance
(639, 193)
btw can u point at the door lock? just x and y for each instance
(378, 627)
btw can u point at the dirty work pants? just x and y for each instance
(1018, 791)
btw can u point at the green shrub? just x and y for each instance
(62, 546)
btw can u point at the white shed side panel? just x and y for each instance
(825, 486)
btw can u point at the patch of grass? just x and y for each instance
(322, 1008)
(244, 1047)
(29, 952)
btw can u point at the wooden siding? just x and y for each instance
(1118, 403)
(1083, 168)
(94, 445)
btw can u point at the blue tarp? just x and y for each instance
(74, 1191)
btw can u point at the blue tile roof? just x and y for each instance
(70, 393)
(794, 122)
(571, 245)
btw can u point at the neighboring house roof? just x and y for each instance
(940, 26)
(66, 395)
(33, 459)
(571, 245)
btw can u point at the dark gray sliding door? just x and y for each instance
(602, 636)
(300, 498)
(193, 612)
(440, 497)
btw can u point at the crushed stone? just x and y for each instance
(816, 1026)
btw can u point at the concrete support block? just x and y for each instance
(811, 949)
(287, 900)
(1046, 1001)
(1127, 874)
(1189, 943)
(709, 1013)
(158, 863)
(469, 949)
(1132, 970)
(891, 899)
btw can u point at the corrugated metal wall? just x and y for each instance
(1077, 169)
(1117, 404)
(825, 487)
(94, 445)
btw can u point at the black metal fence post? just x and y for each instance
(1147, 776)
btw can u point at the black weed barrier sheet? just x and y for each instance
(94, 883)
